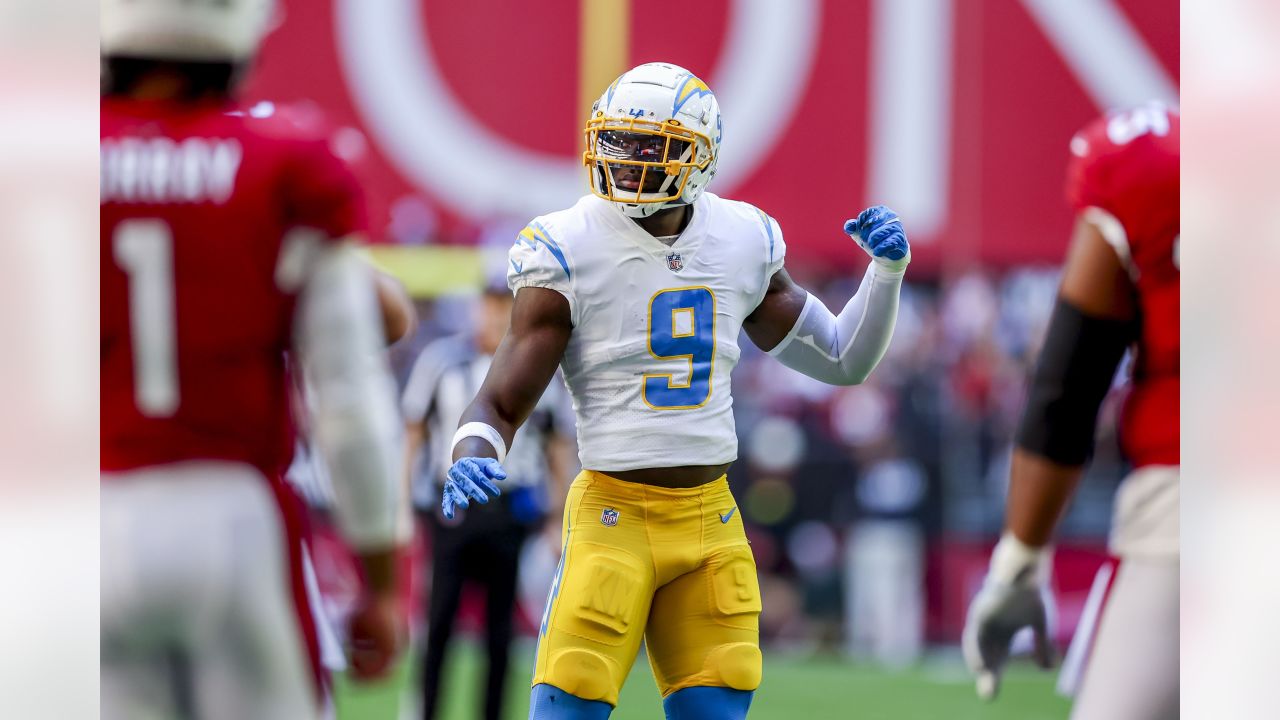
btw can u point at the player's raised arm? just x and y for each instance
(523, 365)
(798, 329)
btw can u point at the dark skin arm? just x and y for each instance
(399, 317)
(525, 362)
(1094, 281)
(778, 312)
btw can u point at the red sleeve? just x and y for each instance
(322, 192)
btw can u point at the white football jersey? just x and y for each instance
(655, 328)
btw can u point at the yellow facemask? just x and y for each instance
(666, 149)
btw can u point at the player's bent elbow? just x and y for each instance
(857, 378)
(848, 377)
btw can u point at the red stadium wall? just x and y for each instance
(955, 112)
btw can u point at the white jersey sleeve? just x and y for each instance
(538, 260)
(777, 248)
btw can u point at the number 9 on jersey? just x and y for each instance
(682, 327)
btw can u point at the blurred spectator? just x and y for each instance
(884, 565)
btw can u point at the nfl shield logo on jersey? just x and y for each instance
(609, 517)
(675, 263)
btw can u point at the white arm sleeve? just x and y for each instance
(844, 349)
(339, 337)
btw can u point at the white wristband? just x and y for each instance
(484, 432)
(1015, 562)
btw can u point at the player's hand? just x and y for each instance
(878, 231)
(1014, 595)
(376, 632)
(471, 478)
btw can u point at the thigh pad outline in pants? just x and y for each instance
(595, 621)
(704, 628)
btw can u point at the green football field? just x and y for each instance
(793, 689)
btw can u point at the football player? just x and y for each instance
(1120, 287)
(224, 243)
(639, 292)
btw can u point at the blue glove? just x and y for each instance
(878, 231)
(471, 477)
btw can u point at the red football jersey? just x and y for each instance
(199, 204)
(1124, 177)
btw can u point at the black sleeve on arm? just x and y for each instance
(1071, 379)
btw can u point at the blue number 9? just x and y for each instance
(682, 326)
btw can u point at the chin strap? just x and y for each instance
(644, 210)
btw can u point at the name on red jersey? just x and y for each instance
(161, 171)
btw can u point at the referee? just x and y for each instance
(482, 543)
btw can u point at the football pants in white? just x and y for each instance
(198, 613)
(1131, 662)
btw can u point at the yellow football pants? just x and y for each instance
(671, 566)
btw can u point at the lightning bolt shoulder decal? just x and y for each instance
(768, 228)
(533, 235)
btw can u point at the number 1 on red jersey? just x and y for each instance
(143, 248)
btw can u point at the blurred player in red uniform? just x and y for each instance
(223, 245)
(1120, 287)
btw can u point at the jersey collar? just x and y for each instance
(687, 244)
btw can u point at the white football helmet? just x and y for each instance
(653, 139)
(184, 30)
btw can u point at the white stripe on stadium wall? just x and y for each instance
(910, 106)
(768, 45)
(1104, 51)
